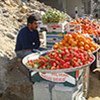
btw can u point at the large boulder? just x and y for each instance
(3, 62)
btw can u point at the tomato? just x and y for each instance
(60, 43)
(92, 49)
(66, 65)
(66, 37)
(69, 49)
(63, 42)
(63, 53)
(81, 43)
(66, 51)
(75, 59)
(83, 60)
(51, 61)
(53, 68)
(54, 54)
(62, 61)
(57, 62)
(43, 66)
(75, 64)
(71, 41)
(55, 46)
(74, 35)
(67, 59)
(58, 67)
(54, 64)
(43, 58)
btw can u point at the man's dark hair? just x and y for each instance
(31, 19)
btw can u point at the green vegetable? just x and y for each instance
(53, 16)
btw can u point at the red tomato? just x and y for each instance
(67, 59)
(53, 68)
(54, 64)
(58, 67)
(63, 53)
(75, 59)
(66, 65)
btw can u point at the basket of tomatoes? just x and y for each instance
(61, 66)
(61, 60)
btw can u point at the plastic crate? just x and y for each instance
(53, 37)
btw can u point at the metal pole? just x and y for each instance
(86, 81)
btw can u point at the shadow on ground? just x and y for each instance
(94, 87)
(18, 85)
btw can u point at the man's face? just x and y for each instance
(34, 25)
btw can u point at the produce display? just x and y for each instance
(77, 40)
(53, 16)
(61, 59)
(74, 48)
(88, 26)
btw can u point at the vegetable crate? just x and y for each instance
(53, 37)
(72, 27)
(56, 27)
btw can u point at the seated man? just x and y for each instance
(28, 38)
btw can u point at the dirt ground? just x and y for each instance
(94, 87)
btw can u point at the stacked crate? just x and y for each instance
(55, 33)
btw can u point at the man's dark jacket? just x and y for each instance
(27, 39)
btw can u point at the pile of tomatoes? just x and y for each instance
(77, 40)
(62, 59)
(87, 26)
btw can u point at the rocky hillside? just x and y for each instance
(12, 16)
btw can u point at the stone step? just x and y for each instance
(41, 91)
(61, 92)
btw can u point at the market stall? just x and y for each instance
(55, 72)
(62, 71)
